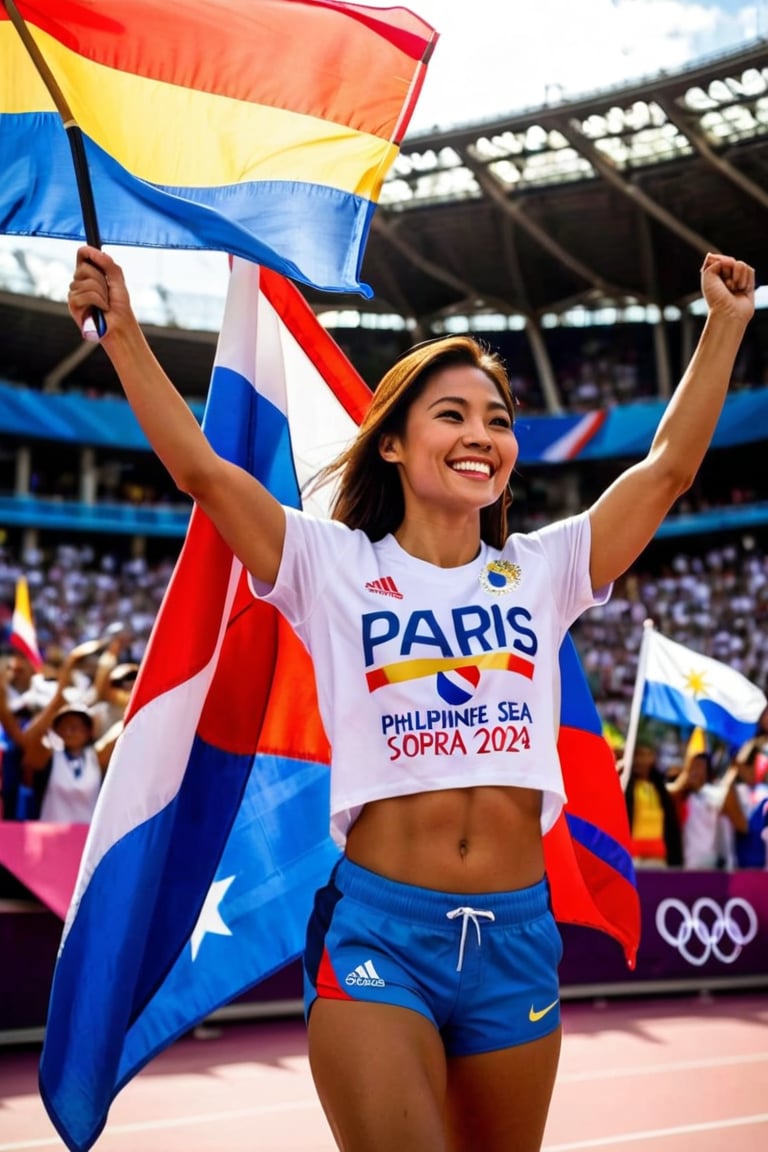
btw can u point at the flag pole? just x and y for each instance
(635, 708)
(95, 326)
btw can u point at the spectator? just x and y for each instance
(653, 818)
(27, 730)
(750, 844)
(710, 812)
(64, 768)
(15, 714)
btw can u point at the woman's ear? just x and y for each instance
(388, 448)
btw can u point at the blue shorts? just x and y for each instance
(481, 968)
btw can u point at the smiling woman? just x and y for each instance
(435, 636)
(373, 493)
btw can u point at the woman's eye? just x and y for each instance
(452, 414)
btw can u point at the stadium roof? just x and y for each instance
(614, 196)
(611, 198)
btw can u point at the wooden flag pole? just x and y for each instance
(98, 327)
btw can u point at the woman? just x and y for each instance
(67, 769)
(653, 819)
(435, 639)
(62, 764)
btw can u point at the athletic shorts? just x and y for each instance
(481, 968)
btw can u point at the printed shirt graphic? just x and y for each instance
(452, 682)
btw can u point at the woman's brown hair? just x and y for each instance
(370, 494)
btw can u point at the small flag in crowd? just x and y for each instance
(684, 688)
(23, 635)
(697, 744)
(214, 124)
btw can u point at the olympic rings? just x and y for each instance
(720, 924)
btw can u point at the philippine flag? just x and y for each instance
(212, 828)
(682, 687)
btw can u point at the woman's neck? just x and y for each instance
(448, 545)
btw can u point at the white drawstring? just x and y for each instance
(468, 914)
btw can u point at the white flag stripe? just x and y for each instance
(149, 760)
(25, 630)
(236, 347)
(320, 426)
(563, 447)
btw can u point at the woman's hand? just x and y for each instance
(98, 282)
(728, 287)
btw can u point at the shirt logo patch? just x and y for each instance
(500, 576)
(385, 587)
(457, 686)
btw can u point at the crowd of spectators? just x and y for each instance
(59, 723)
(715, 603)
(93, 614)
(710, 811)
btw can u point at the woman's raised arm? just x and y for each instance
(625, 518)
(245, 513)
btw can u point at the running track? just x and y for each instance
(668, 1075)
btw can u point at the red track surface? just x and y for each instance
(636, 1076)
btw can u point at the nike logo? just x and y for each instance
(533, 1015)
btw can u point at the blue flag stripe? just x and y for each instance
(248, 220)
(664, 702)
(600, 844)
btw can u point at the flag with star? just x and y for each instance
(682, 687)
(212, 827)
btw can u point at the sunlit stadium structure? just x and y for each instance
(608, 203)
(590, 213)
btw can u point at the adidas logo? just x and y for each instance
(385, 587)
(365, 975)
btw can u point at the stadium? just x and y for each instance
(569, 238)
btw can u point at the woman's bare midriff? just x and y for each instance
(458, 840)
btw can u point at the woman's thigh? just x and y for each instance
(380, 1074)
(498, 1101)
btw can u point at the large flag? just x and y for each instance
(212, 829)
(212, 124)
(682, 687)
(23, 634)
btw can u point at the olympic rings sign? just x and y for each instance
(707, 929)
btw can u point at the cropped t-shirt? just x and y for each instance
(431, 678)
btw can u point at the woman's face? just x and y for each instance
(698, 770)
(642, 761)
(458, 449)
(74, 731)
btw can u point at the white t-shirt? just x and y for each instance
(73, 788)
(431, 678)
(705, 831)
